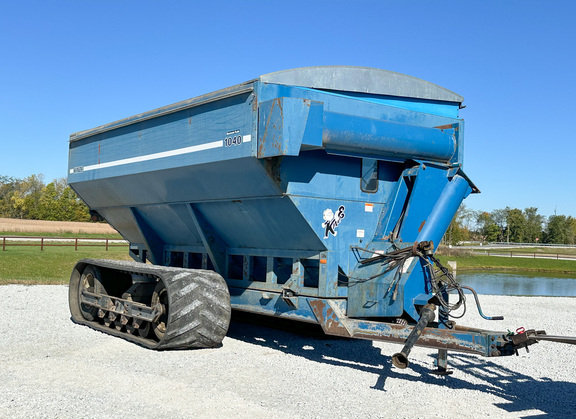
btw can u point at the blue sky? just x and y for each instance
(70, 65)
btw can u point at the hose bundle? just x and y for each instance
(441, 279)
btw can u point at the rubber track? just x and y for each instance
(199, 305)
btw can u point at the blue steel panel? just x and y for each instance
(376, 298)
(233, 179)
(172, 224)
(269, 223)
(286, 123)
(391, 213)
(153, 243)
(428, 186)
(360, 127)
(435, 107)
(218, 95)
(356, 228)
(122, 219)
(338, 103)
(213, 132)
(315, 173)
(255, 302)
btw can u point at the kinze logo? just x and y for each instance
(332, 220)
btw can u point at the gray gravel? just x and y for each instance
(52, 368)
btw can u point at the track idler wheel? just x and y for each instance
(90, 280)
(160, 300)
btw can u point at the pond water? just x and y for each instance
(519, 283)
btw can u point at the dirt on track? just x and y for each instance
(36, 226)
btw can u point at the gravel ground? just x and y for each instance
(52, 368)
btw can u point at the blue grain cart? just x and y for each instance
(315, 194)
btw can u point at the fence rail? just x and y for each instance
(531, 255)
(75, 242)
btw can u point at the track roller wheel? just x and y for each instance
(160, 298)
(144, 329)
(90, 280)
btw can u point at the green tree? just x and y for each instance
(487, 228)
(60, 203)
(500, 218)
(560, 230)
(457, 232)
(516, 223)
(29, 198)
(48, 204)
(24, 200)
(71, 207)
(533, 225)
(8, 185)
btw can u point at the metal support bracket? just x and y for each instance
(290, 298)
(213, 244)
(120, 306)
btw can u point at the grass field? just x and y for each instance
(473, 262)
(53, 265)
(547, 250)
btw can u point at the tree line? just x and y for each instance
(30, 198)
(510, 225)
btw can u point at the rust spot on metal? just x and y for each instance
(261, 146)
(280, 107)
(449, 126)
(330, 322)
(430, 338)
(273, 142)
(421, 226)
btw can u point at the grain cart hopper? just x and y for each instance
(315, 194)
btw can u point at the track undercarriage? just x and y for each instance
(154, 306)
